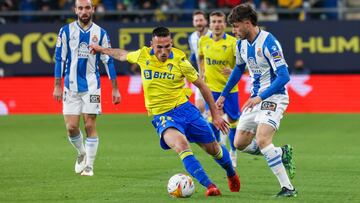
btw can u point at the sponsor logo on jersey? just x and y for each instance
(94, 98)
(210, 61)
(268, 106)
(149, 74)
(83, 51)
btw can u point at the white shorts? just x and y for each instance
(270, 111)
(75, 103)
(198, 95)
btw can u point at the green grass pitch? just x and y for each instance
(37, 162)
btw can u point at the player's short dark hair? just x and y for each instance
(218, 13)
(242, 12)
(199, 12)
(161, 32)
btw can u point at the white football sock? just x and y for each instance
(252, 148)
(77, 142)
(91, 144)
(273, 157)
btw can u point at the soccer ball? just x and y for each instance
(180, 186)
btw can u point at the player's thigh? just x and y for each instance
(175, 139)
(72, 102)
(91, 102)
(272, 110)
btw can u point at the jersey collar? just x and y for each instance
(171, 55)
(224, 36)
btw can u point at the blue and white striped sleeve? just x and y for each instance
(107, 60)
(61, 50)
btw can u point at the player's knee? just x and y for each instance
(72, 129)
(89, 127)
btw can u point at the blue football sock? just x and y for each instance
(193, 166)
(223, 159)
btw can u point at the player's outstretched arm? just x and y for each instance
(118, 54)
(217, 120)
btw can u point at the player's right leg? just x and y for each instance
(72, 111)
(178, 142)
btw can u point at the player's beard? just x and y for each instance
(85, 19)
(200, 28)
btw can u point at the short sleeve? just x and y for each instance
(133, 56)
(274, 52)
(239, 59)
(188, 70)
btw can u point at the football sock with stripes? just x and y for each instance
(223, 159)
(91, 146)
(77, 142)
(193, 167)
(252, 148)
(273, 157)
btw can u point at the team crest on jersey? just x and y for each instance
(207, 46)
(224, 47)
(147, 62)
(170, 66)
(259, 52)
(94, 39)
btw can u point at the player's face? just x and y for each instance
(84, 10)
(162, 47)
(241, 29)
(217, 24)
(199, 22)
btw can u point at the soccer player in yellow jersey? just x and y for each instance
(217, 58)
(176, 120)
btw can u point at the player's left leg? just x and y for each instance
(273, 156)
(91, 143)
(222, 157)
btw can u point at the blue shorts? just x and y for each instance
(231, 105)
(187, 119)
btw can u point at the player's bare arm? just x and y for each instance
(118, 54)
(226, 71)
(217, 120)
(116, 97)
(57, 94)
(220, 102)
(202, 67)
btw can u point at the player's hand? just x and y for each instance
(116, 97)
(57, 94)
(220, 102)
(251, 102)
(94, 48)
(226, 71)
(221, 124)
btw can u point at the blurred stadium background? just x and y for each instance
(321, 44)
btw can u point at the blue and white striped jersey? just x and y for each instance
(73, 58)
(194, 44)
(262, 57)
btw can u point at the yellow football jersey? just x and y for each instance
(163, 82)
(217, 55)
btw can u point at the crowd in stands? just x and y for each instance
(159, 10)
